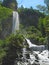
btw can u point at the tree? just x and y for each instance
(10, 4)
(46, 22)
(15, 45)
(45, 27)
(5, 14)
(43, 9)
(0, 2)
(47, 3)
(42, 27)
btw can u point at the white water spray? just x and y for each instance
(30, 44)
(35, 47)
(36, 57)
(43, 56)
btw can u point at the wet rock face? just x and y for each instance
(35, 64)
(27, 56)
(36, 57)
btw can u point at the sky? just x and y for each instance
(29, 3)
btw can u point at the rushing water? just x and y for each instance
(36, 57)
(15, 25)
(35, 47)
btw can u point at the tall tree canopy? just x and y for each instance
(10, 4)
(47, 3)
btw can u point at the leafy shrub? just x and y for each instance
(5, 13)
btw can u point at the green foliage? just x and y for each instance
(42, 27)
(29, 16)
(10, 4)
(34, 35)
(43, 9)
(45, 22)
(2, 50)
(10, 48)
(36, 39)
(33, 29)
(47, 3)
(5, 13)
(16, 40)
(0, 2)
(41, 40)
(1, 43)
(45, 28)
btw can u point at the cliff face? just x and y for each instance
(5, 21)
(6, 27)
(30, 17)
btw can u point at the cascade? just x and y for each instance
(35, 47)
(38, 54)
(24, 52)
(36, 57)
(30, 44)
(15, 25)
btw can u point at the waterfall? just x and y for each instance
(30, 44)
(41, 57)
(15, 25)
(35, 57)
(35, 47)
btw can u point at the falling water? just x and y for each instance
(15, 22)
(35, 47)
(30, 44)
(24, 51)
(42, 57)
(35, 57)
